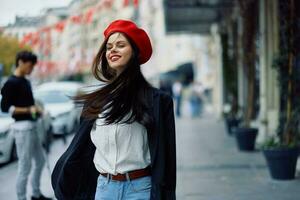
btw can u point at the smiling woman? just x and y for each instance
(125, 145)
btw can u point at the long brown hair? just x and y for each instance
(119, 95)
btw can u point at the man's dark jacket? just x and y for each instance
(75, 176)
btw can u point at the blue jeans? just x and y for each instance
(137, 189)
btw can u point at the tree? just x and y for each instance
(249, 13)
(287, 66)
(9, 46)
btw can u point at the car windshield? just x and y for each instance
(53, 96)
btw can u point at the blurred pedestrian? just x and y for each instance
(196, 101)
(177, 93)
(125, 145)
(17, 99)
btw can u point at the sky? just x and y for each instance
(10, 8)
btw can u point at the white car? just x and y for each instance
(7, 141)
(7, 144)
(56, 98)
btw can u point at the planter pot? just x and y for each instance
(231, 124)
(282, 162)
(245, 138)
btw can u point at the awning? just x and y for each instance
(195, 16)
(183, 73)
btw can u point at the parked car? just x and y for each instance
(56, 98)
(44, 126)
(7, 141)
(7, 144)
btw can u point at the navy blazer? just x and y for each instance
(75, 177)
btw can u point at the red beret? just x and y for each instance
(137, 35)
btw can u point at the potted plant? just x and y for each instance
(282, 150)
(230, 109)
(246, 135)
(231, 116)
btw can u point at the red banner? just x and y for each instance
(135, 3)
(60, 26)
(76, 19)
(88, 17)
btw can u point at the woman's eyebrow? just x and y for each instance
(121, 41)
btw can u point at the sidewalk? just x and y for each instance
(211, 168)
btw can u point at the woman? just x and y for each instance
(125, 145)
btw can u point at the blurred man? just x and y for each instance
(17, 99)
(177, 93)
(196, 99)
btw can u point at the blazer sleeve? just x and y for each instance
(74, 175)
(170, 147)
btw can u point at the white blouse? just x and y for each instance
(120, 147)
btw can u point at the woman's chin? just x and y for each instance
(117, 67)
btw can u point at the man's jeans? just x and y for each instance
(126, 190)
(29, 148)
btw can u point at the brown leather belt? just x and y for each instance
(132, 174)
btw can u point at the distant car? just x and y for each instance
(69, 88)
(56, 98)
(7, 141)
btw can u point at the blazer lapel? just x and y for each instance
(154, 131)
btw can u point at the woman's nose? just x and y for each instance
(114, 49)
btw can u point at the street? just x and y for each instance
(209, 167)
(8, 173)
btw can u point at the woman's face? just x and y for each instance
(118, 52)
